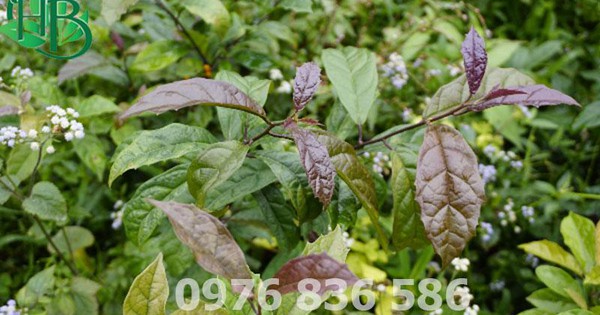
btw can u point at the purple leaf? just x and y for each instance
(316, 162)
(475, 56)
(319, 267)
(308, 78)
(531, 95)
(8, 110)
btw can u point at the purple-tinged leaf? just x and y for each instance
(450, 190)
(198, 91)
(316, 162)
(308, 78)
(213, 246)
(531, 95)
(319, 267)
(497, 92)
(475, 56)
(8, 110)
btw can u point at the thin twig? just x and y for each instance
(51, 242)
(455, 112)
(187, 34)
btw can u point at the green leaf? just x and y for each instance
(36, 288)
(78, 238)
(452, 95)
(141, 218)
(593, 276)
(548, 300)
(213, 246)
(149, 292)
(30, 38)
(414, 44)
(214, 166)
(333, 244)
(287, 168)
(408, 227)
(279, 216)
(232, 121)
(211, 11)
(554, 253)
(83, 292)
(579, 235)
(112, 10)
(450, 190)
(96, 106)
(149, 147)
(576, 312)
(353, 73)
(536, 311)
(91, 152)
(558, 280)
(21, 161)
(158, 55)
(300, 6)
(253, 176)
(5, 194)
(589, 117)
(356, 176)
(47, 203)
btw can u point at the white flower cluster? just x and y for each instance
(507, 215)
(497, 285)
(10, 308)
(20, 73)
(347, 239)
(454, 70)
(381, 162)
(464, 297)
(285, 87)
(407, 115)
(461, 264)
(65, 121)
(11, 135)
(117, 216)
(488, 173)
(528, 213)
(488, 231)
(395, 70)
(532, 260)
(500, 155)
(434, 72)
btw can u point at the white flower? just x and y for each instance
(395, 69)
(50, 150)
(10, 308)
(55, 120)
(69, 136)
(437, 312)
(434, 72)
(464, 296)
(488, 173)
(518, 165)
(381, 287)
(20, 73)
(472, 310)
(275, 74)
(32, 134)
(285, 88)
(64, 123)
(117, 219)
(79, 134)
(489, 151)
(454, 70)
(35, 146)
(461, 264)
(46, 129)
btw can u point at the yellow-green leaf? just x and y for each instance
(149, 292)
(553, 253)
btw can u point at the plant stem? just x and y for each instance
(187, 34)
(455, 112)
(51, 242)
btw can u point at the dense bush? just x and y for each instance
(251, 137)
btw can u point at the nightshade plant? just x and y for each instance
(438, 203)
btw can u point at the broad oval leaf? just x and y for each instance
(408, 229)
(552, 252)
(76, 238)
(557, 280)
(213, 246)
(308, 78)
(475, 56)
(455, 93)
(550, 301)
(211, 11)
(579, 234)
(531, 95)
(158, 55)
(356, 176)
(353, 73)
(47, 203)
(149, 147)
(198, 91)
(113, 9)
(8, 111)
(320, 267)
(450, 190)
(279, 216)
(141, 218)
(213, 166)
(317, 163)
(149, 292)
